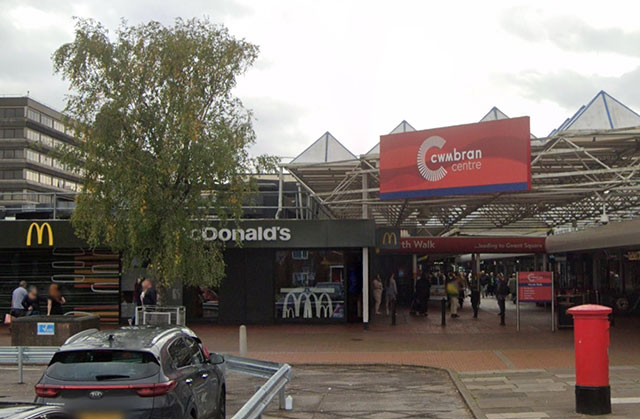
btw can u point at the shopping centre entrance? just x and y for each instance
(438, 260)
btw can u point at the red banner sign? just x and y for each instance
(534, 287)
(456, 245)
(486, 157)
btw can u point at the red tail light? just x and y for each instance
(143, 390)
(47, 391)
(155, 390)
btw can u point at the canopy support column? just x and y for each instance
(365, 287)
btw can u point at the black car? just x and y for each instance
(135, 372)
(31, 411)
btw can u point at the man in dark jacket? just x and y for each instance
(149, 295)
(475, 294)
(423, 293)
(502, 291)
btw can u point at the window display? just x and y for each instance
(310, 285)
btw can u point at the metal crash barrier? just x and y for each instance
(277, 375)
(21, 355)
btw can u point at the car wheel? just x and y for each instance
(222, 405)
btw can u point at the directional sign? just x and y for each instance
(534, 287)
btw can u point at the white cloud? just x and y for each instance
(358, 68)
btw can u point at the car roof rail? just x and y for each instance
(79, 335)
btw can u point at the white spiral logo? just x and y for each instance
(428, 174)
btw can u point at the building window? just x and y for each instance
(33, 156)
(58, 126)
(45, 120)
(46, 140)
(7, 133)
(45, 179)
(31, 175)
(32, 135)
(311, 289)
(11, 112)
(33, 115)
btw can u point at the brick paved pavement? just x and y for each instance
(538, 394)
(465, 344)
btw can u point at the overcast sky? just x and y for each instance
(358, 68)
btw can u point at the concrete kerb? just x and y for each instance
(460, 387)
(469, 400)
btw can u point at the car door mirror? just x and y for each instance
(216, 359)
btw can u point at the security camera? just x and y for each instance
(604, 219)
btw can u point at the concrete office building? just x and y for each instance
(30, 178)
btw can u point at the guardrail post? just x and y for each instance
(243, 340)
(281, 398)
(20, 376)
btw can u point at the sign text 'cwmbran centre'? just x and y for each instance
(275, 233)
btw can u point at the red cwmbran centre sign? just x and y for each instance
(486, 157)
(534, 287)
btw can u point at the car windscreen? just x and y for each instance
(102, 365)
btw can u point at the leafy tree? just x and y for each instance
(162, 141)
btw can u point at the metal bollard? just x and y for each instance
(20, 374)
(393, 313)
(243, 340)
(444, 311)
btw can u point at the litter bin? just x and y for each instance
(50, 330)
(564, 318)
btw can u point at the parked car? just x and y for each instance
(135, 372)
(31, 411)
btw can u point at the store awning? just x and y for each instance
(621, 234)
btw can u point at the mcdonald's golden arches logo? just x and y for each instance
(40, 229)
(389, 238)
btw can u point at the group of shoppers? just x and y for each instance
(457, 286)
(25, 301)
(387, 292)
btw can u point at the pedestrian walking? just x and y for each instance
(452, 293)
(377, 293)
(149, 296)
(17, 297)
(31, 302)
(423, 293)
(475, 295)
(502, 291)
(462, 287)
(391, 294)
(513, 288)
(55, 300)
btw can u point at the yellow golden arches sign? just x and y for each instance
(40, 229)
(389, 238)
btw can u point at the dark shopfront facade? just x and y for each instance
(303, 271)
(47, 252)
(306, 271)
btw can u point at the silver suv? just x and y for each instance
(135, 372)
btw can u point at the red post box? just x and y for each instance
(591, 339)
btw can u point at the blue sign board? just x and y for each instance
(46, 329)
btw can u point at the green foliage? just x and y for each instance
(162, 140)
